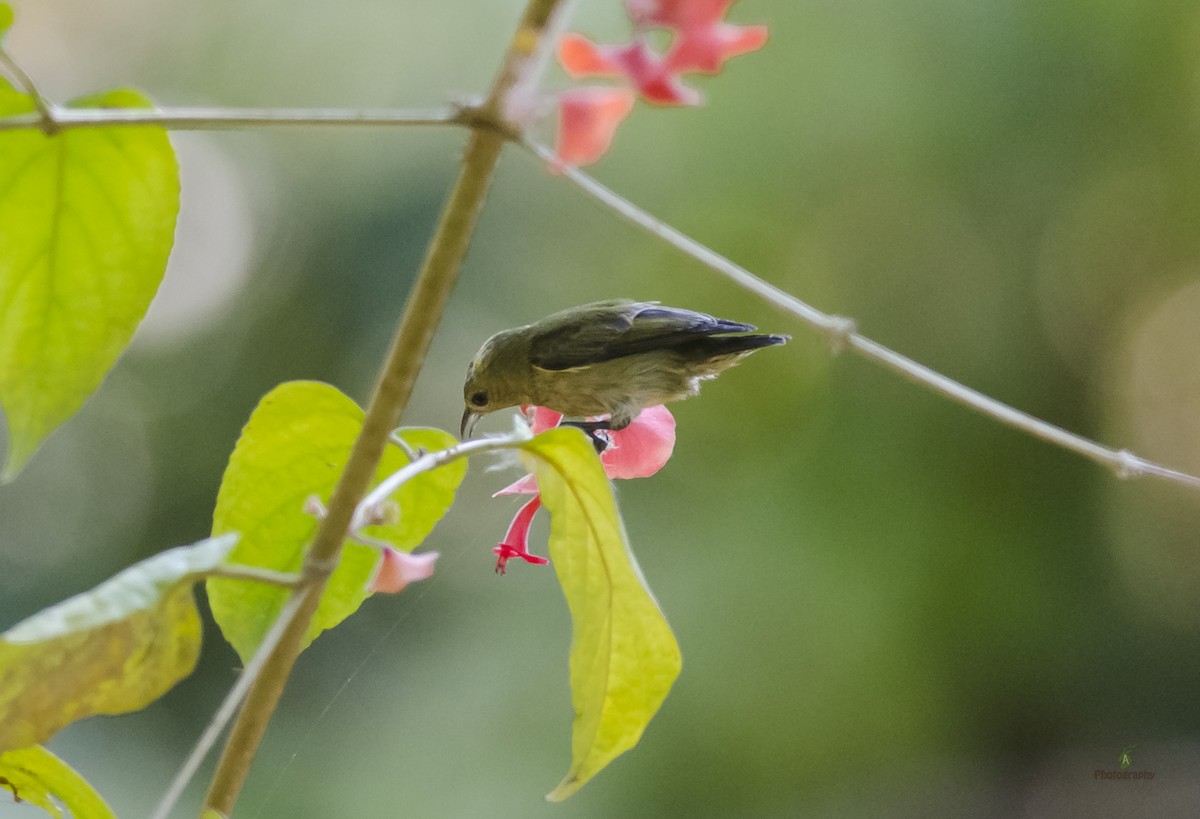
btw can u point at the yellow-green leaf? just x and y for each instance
(87, 220)
(113, 649)
(294, 446)
(624, 657)
(6, 18)
(38, 777)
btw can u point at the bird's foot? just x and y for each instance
(597, 431)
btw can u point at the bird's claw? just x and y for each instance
(592, 430)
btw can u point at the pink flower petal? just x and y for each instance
(397, 569)
(525, 486)
(707, 48)
(580, 57)
(588, 120)
(643, 447)
(544, 419)
(516, 539)
(655, 80)
(676, 13)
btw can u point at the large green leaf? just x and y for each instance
(38, 777)
(295, 445)
(113, 649)
(87, 219)
(624, 657)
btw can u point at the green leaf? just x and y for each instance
(6, 19)
(113, 649)
(624, 657)
(87, 219)
(38, 777)
(295, 445)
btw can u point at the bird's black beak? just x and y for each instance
(469, 420)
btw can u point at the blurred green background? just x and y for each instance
(887, 605)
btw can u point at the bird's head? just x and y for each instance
(495, 379)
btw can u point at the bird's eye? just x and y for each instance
(479, 399)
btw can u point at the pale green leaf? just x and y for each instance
(87, 220)
(113, 649)
(6, 19)
(295, 445)
(624, 657)
(38, 777)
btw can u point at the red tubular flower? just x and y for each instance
(588, 118)
(516, 539)
(638, 451)
(397, 569)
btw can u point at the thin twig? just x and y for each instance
(288, 580)
(232, 700)
(841, 333)
(211, 119)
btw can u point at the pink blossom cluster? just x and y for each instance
(701, 42)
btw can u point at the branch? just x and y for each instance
(841, 333)
(54, 119)
(422, 313)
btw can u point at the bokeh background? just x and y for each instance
(887, 605)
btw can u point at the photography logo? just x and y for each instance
(1125, 762)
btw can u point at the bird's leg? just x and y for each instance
(591, 428)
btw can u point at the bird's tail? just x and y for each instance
(734, 345)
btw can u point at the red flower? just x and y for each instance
(516, 539)
(638, 451)
(397, 569)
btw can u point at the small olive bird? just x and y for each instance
(612, 357)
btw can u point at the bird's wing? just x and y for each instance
(609, 330)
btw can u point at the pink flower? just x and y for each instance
(649, 72)
(588, 118)
(638, 451)
(702, 42)
(397, 569)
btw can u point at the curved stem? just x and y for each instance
(428, 461)
(421, 316)
(45, 118)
